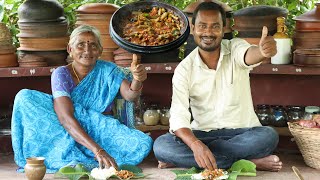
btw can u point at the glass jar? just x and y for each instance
(310, 111)
(151, 116)
(165, 116)
(295, 113)
(138, 110)
(280, 116)
(264, 114)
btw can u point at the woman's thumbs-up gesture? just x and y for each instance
(137, 70)
(267, 44)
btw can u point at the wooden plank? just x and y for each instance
(26, 71)
(145, 128)
(289, 69)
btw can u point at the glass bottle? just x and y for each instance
(151, 116)
(295, 113)
(280, 116)
(310, 111)
(165, 116)
(264, 114)
(283, 43)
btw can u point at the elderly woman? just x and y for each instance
(71, 125)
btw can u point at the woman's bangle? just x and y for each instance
(98, 152)
(135, 90)
(194, 142)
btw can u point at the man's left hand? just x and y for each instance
(137, 70)
(267, 44)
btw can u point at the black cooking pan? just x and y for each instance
(121, 17)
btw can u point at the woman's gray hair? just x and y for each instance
(85, 28)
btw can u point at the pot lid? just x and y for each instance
(261, 10)
(97, 8)
(310, 16)
(191, 7)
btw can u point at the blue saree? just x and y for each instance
(36, 130)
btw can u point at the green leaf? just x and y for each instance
(185, 174)
(242, 168)
(131, 168)
(79, 171)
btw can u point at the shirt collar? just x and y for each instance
(223, 51)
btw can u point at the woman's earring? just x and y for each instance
(70, 55)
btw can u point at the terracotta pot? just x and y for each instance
(5, 33)
(40, 11)
(35, 168)
(43, 29)
(94, 17)
(306, 43)
(252, 19)
(97, 8)
(7, 49)
(309, 21)
(43, 44)
(52, 58)
(107, 42)
(8, 60)
(307, 57)
(103, 27)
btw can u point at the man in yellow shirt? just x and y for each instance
(213, 81)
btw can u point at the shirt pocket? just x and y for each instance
(231, 95)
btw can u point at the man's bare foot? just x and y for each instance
(163, 165)
(268, 163)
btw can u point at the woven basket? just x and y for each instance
(308, 141)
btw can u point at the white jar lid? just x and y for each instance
(312, 109)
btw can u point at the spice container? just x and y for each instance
(295, 113)
(151, 116)
(310, 111)
(165, 116)
(264, 114)
(280, 116)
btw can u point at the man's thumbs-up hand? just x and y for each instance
(267, 44)
(137, 69)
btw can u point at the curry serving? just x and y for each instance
(157, 27)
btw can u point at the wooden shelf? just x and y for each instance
(145, 128)
(289, 69)
(26, 71)
(166, 68)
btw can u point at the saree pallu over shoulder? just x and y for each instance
(36, 130)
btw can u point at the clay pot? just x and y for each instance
(5, 49)
(8, 60)
(307, 57)
(43, 29)
(309, 21)
(107, 41)
(249, 21)
(43, 44)
(97, 8)
(5, 33)
(35, 168)
(51, 58)
(94, 17)
(102, 26)
(40, 11)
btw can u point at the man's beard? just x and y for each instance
(215, 45)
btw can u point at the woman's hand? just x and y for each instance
(105, 160)
(137, 70)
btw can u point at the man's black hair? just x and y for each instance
(209, 6)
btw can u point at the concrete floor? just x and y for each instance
(149, 166)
